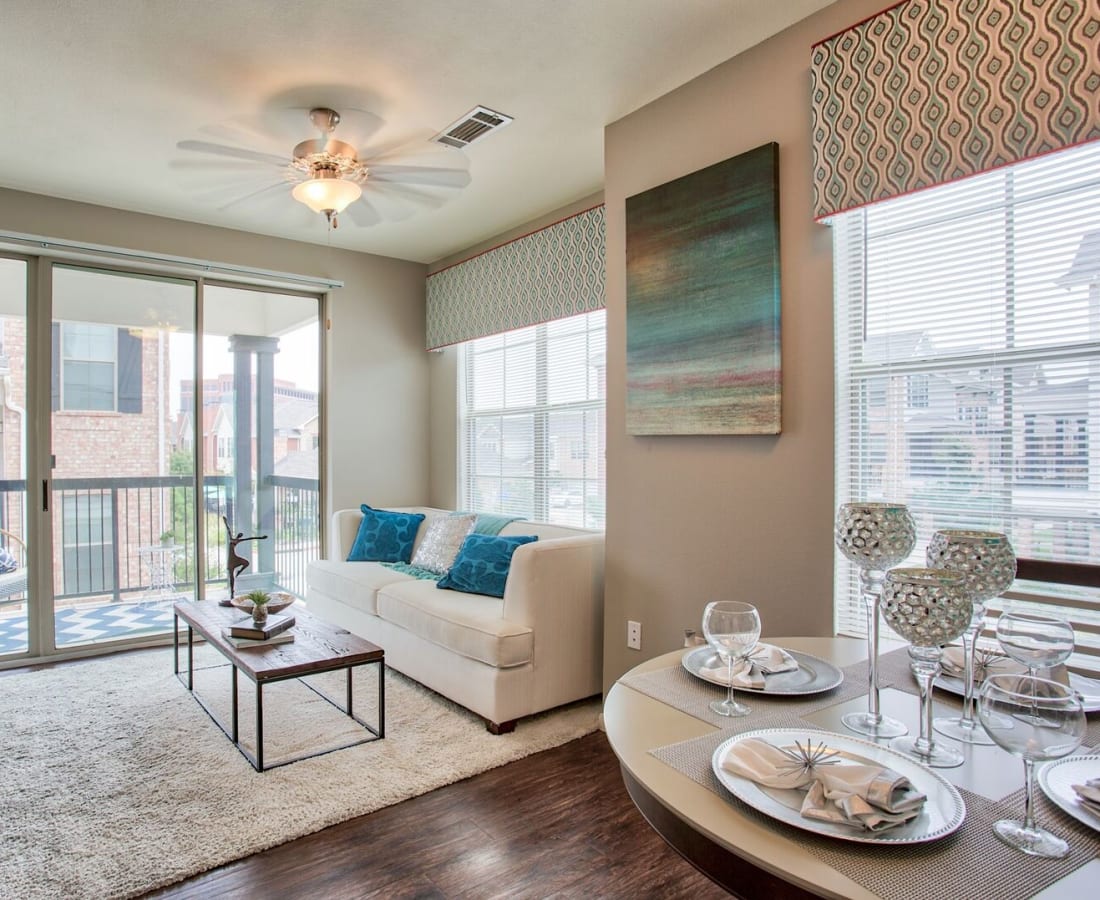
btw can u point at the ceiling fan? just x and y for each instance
(330, 175)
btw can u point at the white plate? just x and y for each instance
(942, 813)
(813, 675)
(1057, 779)
(1088, 688)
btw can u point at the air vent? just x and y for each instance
(473, 126)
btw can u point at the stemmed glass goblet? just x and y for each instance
(875, 537)
(732, 629)
(1035, 641)
(988, 563)
(1037, 720)
(929, 608)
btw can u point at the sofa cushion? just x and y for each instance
(385, 536)
(355, 584)
(470, 624)
(442, 539)
(482, 564)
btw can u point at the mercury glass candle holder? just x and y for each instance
(875, 537)
(988, 563)
(929, 608)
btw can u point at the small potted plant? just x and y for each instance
(259, 605)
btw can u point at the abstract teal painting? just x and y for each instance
(702, 301)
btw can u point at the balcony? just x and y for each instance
(126, 548)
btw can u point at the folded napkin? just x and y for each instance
(765, 659)
(1089, 794)
(987, 662)
(767, 765)
(868, 797)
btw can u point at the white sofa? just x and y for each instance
(539, 647)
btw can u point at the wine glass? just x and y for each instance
(874, 536)
(1037, 720)
(929, 608)
(988, 562)
(732, 629)
(1035, 641)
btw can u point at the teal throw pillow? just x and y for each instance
(482, 564)
(385, 536)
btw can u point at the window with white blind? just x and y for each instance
(968, 372)
(531, 422)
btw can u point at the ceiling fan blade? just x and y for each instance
(242, 166)
(252, 195)
(395, 204)
(433, 175)
(232, 152)
(362, 213)
(223, 189)
(402, 193)
(419, 147)
(244, 131)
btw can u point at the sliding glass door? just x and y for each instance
(148, 462)
(261, 433)
(123, 491)
(14, 532)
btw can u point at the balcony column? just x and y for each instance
(242, 434)
(265, 453)
(254, 408)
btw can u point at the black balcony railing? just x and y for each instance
(108, 532)
(297, 535)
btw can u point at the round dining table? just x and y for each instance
(752, 858)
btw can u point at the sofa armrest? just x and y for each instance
(345, 526)
(555, 587)
(549, 578)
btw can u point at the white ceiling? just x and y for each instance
(97, 95)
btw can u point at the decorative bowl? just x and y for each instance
(986, 558)
(927, 607)
(875, 535)
(279, 601)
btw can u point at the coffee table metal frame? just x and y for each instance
(335, 664)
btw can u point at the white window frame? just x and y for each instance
(1066, 579)
(557, 497)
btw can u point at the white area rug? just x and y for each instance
(113, 781)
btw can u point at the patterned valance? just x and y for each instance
(550, 274)
(930, 91)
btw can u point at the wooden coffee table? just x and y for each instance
(317, 647)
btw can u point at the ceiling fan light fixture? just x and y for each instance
(327, 195)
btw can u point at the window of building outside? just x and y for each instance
(88, 355)
(968, 370)
(96, 368)
(531, 422)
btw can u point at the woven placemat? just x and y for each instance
(677, 687)
(971, 862)
(893, 670)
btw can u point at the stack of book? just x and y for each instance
(246, 633)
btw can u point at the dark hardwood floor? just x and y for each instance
(556, 824)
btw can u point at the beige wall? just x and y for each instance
(443, 367)
(377, 400)
(693, 519)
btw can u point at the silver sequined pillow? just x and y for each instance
(442, 540)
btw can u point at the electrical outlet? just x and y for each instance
(634, 635)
